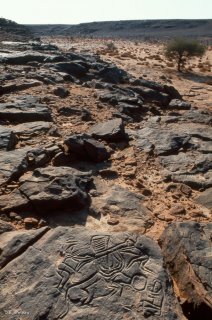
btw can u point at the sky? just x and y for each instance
(78, 11)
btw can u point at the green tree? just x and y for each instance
(181, 50)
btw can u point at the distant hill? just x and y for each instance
(12, 31)
(134, 29)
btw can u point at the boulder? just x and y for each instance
(16, 242)
(84, 147)
(186, 248)
(74, 273)
(112, 131)
(61, 92)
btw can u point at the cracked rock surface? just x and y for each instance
(98, 165)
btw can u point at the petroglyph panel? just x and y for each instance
(78, 274)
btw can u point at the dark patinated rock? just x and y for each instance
(194, 170)
(25, 57)
(162, 141)
(14, 163)
(113, 74)
(96, 150)
(79, 274)
(5, 227)
(179, 104)
(186, 248)
(8, 139)
(205, 198)
(112, 130)
(150, 95)
(84, 147)
(25, 109)
(31, 129)
(69, 111)
(48, 189)
(72, 68)
(15, 243)
(61, 92)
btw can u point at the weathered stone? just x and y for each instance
(25, 57)
(31, 129)
(193, 170)
(186, 248)
(61, 92)
(72, 68)
(205, 198)
(25, 109)
(113, 74)
(172, 92)
(8, 139)
(14, 163)
(129, 208)
(178, 208)
(69, 111)
(5, 227)
(30, 223)
(163, 141)
(78, 274)
(53, 188)
(150, 95)
(96, 150)
(112, 130)
(179, 104)
(15, 243)
(84, 147)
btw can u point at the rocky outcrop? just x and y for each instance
(91, 145)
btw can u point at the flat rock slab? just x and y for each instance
(160, 140)
(30, 129)
(112, 130)
(12, 164)
(186, 248)
(25, 57)
(125, 206)
(194, 170)
(48, 189)
(25, 109)
(16, 162)
(80, 274)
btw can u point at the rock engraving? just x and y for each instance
(106, 269)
